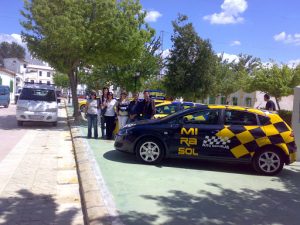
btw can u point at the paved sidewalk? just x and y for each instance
(38, 179)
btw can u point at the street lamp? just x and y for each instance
(135, 79)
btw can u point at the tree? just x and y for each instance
(69, 34)
(134, 75)
(11, 50)
(61, 80)
(191, 63)
(227, 80)
(277, 81)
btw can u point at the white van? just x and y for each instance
(37, 102)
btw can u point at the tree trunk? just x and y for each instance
(73, 85)
(277, 102)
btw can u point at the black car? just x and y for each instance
(225, 133)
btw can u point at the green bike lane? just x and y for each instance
(195, 192)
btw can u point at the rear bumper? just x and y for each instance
(36, 116)
(292, 152)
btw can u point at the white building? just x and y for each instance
(30, 70)
(8, 78)
(253, 100)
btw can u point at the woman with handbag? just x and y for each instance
(122, 110)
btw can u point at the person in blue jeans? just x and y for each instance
(92, 107)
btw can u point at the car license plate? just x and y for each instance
(36, 117)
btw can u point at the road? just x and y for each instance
(10, 133)
(196, 192)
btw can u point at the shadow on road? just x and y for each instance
(9, 122)
(229, 206)
(123, 157)
(29, 208)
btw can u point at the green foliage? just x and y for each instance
(12, 50)
(277, 80)
(61, 80)
(0, 80)
(132, 76)
(286, 116)
(191, 63)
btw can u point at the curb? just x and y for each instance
(93, 205)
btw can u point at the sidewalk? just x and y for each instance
(38, 179)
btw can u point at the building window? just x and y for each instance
(234, 101)
(212, 100)
(48, 74)
(249, 102)
(223, 100)
(24, 65)
(32, 81)
(40, 73)
(48, 82)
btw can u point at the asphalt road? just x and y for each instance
(10, 133)
(196, 192)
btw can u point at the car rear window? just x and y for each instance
(236, 117)
(4, 91)
(264, 120)
(37, 94)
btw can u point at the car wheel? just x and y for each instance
(20, 123)
(268, 162)
(82, 108)
(149, 150)
(6, 106)
(54, 124)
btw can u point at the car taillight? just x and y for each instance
(292, 134)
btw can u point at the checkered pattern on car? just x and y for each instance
(214, 140)
(244, 140)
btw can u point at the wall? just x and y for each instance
(296, 118)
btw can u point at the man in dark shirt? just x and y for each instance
(148, 107)
(134, 108)
(270, 105)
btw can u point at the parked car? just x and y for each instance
(4, 96)
(220, 133)
(37, 102)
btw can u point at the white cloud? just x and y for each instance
(229, 57)
(230, 14)
(235, 43)
(166, 53)
(293, 63)
(12, 38)
(152, 16)
(288, 38)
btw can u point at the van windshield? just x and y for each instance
(37, 94)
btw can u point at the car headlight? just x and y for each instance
(124, 131)
(21, 108)
(51, 110)
(129, 125)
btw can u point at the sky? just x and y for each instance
(268, 29)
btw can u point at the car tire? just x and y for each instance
(268, 162)
(20, 123)
(82, 108)
(6, 106)
(54, 124)
(149, 151)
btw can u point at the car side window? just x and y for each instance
(236, 117)
(202, 117)
(167, 109)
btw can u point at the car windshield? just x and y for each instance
(38, 94)
(174, 114)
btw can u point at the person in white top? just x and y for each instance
(122, 110)
(91, 111)
(110, 115)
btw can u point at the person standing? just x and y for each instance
(122, 110)
(91, 111)
(270, 105)
(134, 108)
(110, 115)
(148, 106)
(102, 119)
